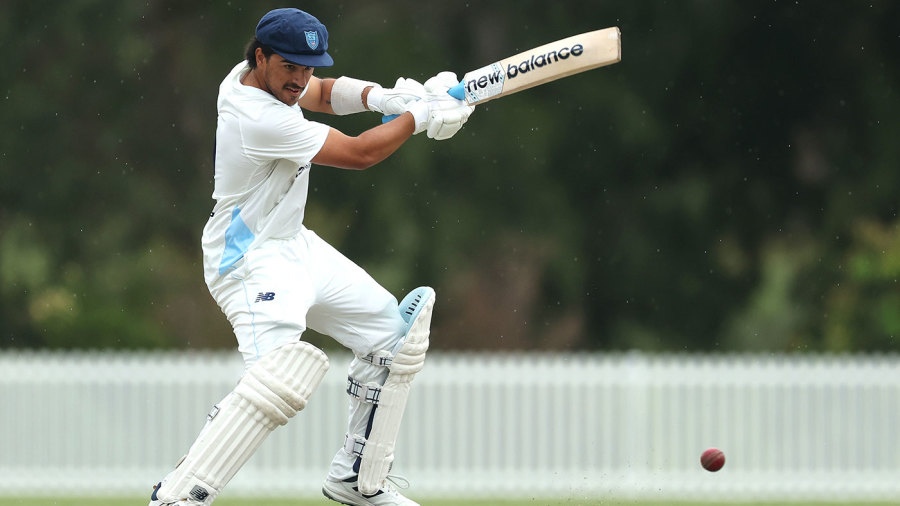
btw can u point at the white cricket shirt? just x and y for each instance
(263, 152)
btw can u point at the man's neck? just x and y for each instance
(250, 79)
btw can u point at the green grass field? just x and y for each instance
(324, 502)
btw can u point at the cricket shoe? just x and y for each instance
(346, 492)
(155, 501)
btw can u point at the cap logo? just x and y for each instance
(312, 39)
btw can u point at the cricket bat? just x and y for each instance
(540, 65)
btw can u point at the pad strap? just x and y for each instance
(354, 445)
(365, 392)
(379, 358)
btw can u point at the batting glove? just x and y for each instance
(391, 101)
(447, 115)
(421, 112)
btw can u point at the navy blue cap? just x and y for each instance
(296, 36)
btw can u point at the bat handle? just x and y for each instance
(456, 92)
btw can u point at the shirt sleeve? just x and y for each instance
(283, 133)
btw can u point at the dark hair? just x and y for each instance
(250, 52)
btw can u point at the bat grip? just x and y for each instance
(456, 92)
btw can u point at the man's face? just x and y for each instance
(283, 79)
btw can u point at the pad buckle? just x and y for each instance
(354, 445)
(379, 358)
(212, 413)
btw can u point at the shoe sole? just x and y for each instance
(325, 492)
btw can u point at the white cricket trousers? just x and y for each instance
(285, 286)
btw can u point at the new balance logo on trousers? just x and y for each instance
(263, 296)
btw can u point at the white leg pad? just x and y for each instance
(409, 357)
(271, 392)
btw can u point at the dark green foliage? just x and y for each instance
(730, 185)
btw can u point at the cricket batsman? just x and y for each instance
(273, 278)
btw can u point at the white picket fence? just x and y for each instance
(586, 427)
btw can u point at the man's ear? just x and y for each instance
(260, 57)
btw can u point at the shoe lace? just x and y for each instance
(395, 481)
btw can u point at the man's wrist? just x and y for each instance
(367, 93)
(420, 111)
(348, 95)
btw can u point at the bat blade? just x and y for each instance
(549, 62)
(540, 65)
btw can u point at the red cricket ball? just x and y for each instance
(712, 460)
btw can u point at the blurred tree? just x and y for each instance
(731, 184)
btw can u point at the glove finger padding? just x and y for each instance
(421, 113)
(448, 115)
(441, 82)
(411, 85)
(394, 100)
(444, 124)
